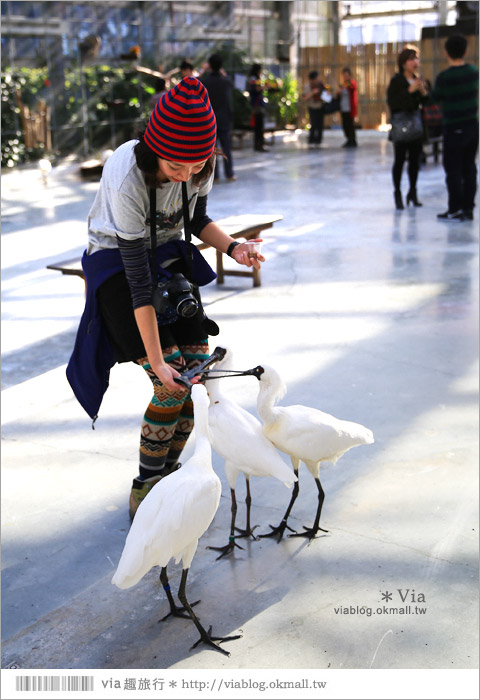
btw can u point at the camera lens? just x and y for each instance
(187, 307)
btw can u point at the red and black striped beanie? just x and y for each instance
(182, 126)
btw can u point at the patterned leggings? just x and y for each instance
(168, 420)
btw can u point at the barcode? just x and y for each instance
(60, 683)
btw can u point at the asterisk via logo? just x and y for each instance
(173, 684)
(386, 595)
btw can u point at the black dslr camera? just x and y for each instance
(175, 296)
(179, 297)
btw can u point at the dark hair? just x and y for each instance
(160, 84)
(256, 69)
(147, 162)
(215, 62)
(313, 74)
(346, 70)
(456, 46)
(186, 65)
(405, 55)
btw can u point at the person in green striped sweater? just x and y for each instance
(456, 90)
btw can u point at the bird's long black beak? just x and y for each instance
(186, 377)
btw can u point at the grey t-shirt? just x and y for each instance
(122, 204)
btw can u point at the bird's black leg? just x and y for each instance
(205, 636)
(231, 540)
(248, 532)
(174, 610)
(280, 529)
(310, 532)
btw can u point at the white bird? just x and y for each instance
(172, 518)
(307, 435)
(238, 437)
(45, 167)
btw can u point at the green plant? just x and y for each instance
(282, 98)
(288, 103)
(111, 100)
(14, 150)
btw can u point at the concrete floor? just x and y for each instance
(369, 314)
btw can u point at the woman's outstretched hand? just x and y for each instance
(243, 256)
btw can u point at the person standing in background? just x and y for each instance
(348, 94)
(312, 94)
(257, 103)
(456, 90)
(406, 92)
(220, 91)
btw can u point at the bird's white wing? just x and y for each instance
(311, 434)
(177, 510)
(238, 437)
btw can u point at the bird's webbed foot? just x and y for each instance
(176, 611)
(310, 532)
(206, 638)
(248, 532)
(227, 548)
(279, 530)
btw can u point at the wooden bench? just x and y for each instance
(242, 226)
(239, 134)
(237, 138)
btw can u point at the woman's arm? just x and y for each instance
(137, 271)
(218, 239)
(401, 95)
(146, 319)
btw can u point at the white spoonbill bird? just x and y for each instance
(307, 435)
(171, 519)
(45, 167)
(238, 437)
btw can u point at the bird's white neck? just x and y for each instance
(213, 387)
(265, 403)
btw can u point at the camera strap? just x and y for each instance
(186, 225)
(153, 231)
(187, 229)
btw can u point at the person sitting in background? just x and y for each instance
(312, 94)
(348, 107)
(456, 89)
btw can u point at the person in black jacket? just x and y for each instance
(406, 92)
(220, 91)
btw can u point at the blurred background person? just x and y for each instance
(160, 89)
(257, 103)
(186, 69)
(348, 95)
(220, 92)
(456, 89)
(312, 94)
(406, 93)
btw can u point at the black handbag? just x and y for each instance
(406, 126)
(332, 106)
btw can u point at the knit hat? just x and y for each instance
(182, 126)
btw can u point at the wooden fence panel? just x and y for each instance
(36, 125)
